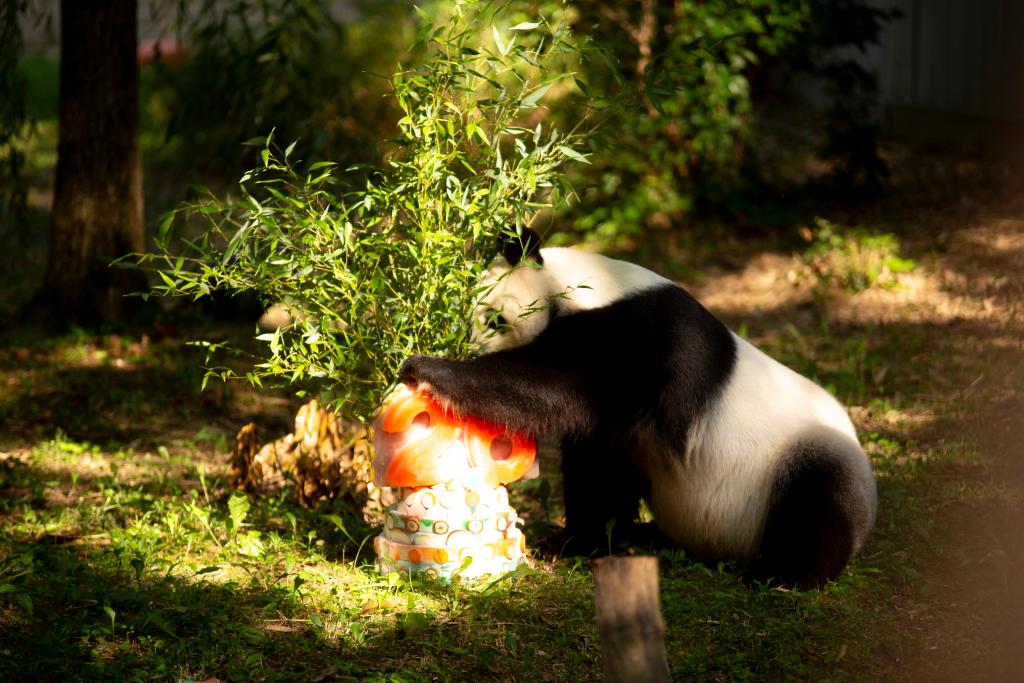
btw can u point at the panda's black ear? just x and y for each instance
(515, 248)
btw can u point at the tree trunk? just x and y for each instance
(97, 202)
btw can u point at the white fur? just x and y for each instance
(715, 500)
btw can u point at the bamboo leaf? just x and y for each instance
(573, 154)
(530, 101)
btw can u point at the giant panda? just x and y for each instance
(737, 456)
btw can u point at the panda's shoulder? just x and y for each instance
(595, 280)
(574, 259)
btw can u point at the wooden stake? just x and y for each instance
(629, 620)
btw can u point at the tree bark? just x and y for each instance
(97, 202)
(629, 620)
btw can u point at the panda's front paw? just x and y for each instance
(424, 372)
(409, 373)
(413, 371)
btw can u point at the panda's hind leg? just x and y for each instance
(818, 515)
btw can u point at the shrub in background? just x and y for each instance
(680, 81)
(677, 82)
(686, 136)
(851, 140)
(380, 262)
(301, 67)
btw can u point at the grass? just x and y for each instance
(124, 555)
(123, 565)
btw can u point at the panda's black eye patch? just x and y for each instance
(496, 321)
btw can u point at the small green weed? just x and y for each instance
(852, 260)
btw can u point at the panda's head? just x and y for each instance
(527, 288)
(516, 304)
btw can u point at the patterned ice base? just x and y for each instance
(431, 531)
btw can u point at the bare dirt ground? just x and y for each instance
(952, 335)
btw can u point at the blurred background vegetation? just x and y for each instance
(685, 95)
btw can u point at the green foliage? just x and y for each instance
(673, 81)
(852, 260)
(678, 83)
(298, 66)
(373, 274)
(13, 115)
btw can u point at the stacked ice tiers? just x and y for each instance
(435, 530)
(453, 514)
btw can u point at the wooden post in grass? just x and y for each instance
(629, 619)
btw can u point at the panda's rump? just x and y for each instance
(714, 498)
(820, 509)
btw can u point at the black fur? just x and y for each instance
(814, 518)
(643, 367)
(516, 247)
(601, 483)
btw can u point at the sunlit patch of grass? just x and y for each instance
(39, 144)
(121, 388)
